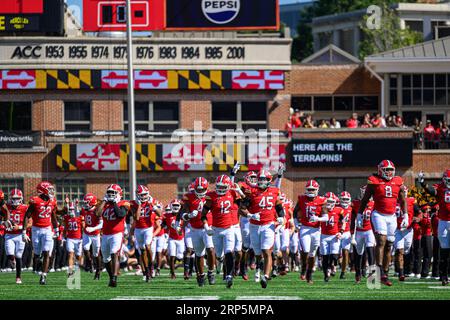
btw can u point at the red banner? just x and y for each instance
(21, 6)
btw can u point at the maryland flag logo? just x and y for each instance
(67, 79)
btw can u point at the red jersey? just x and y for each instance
(147, 217)
(194, 203)
(162, 231)
(168, 219)
(417, 235)
(287, 208)
(91, 220)
(443, 197)
(17, 216)
(331, 227)
(221, 209)
(309, 208)
(410, 203)
(42, 212)
(113, 224)
(426, 225)
(234, 209)
(366, 215)
(246, 188)
(263, 202)
(385, 193)
(347, 218)
(73, 226)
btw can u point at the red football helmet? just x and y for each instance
(200, 187)
(332, 199)
(251, 178)
(46, 188)
(175, 205)
(223, 184)
(312, 189)
(113, 191)
(72, 210)
(159, 204)
(446, 178)
(2, 195)
(191, 188)
(143, 194)
(362, 191)
(345, 199)
(264, 178)
(89, 201)
(386, 169)
(283, 197)
(168, 209)
(15, 197)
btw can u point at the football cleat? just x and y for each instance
(257, 276)
(211, 278)
(274, 273)
(263, 282)
(229, 280)
(326, 278)
(186, 275)
(401, 278)
(97, 275)
(357, 279)
(43, 280)
(172, 275)
(386, 281)
(18, 281)
(245, 276)
(444, 281)
(302, 277)
(201, 280)
(113, 282)
(342, 276)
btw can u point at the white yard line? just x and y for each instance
(166, 298)
(267, 298)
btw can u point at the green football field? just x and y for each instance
(131, 287)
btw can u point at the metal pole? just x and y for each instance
(131, 131)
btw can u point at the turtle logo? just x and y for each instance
(220, 11)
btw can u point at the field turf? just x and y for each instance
(131, 287)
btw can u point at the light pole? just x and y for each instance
(131, 129)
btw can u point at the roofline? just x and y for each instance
(328, 48)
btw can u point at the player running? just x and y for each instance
(73, 224)
(386, 189)
(42, 210)
(176, 237)
(345, 202)
(114, 211)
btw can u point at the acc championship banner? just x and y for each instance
(144, 79)
(350, 152)
(169, 157)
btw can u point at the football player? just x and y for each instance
(310, 211)
(159, 243)
(114, 211)
(442, 193)
(72, 228)
(220, 203)
(364, 239)
(386, 189)
(345, 202)
(404, 234)
(284, 234)
(144, 211)
(176, 238)
(263, 207)
(331, 234)
(14, 243)
(42, 210)
(92, 225)
(192, 206)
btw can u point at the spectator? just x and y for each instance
(296, 121)
(366, 121)
(377, 121)
(309, 123)
(334, 123)
(426, 242)
(399, 121)
(390, 122)
(418, 137)
(323, 124)
(353, 122)
(445, 135)
(428, 135)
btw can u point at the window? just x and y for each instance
(74, 188)
(352, 185)
(393, 84)
(343, 103)
(123, 183)
(153, 116)
(366, 103)
(323, 103)
(6, 185)
(415, 25)
(239, 115)
(15, 116)
(302, 103)
(77, 116)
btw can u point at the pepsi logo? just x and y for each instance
(221, 11)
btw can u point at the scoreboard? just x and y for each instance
(181, 15)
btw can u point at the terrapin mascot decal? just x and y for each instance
(220, 11)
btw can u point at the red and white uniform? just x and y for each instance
(91, 238)
(244, 221)
(282, 237)
(236, 224)
(159, 242)
(262, 233)
(443, 197)
(346, 239)
(222, 221)
(113, 229)
(385, 199)
(310, 231)
(404, 237)
(176, 241)
(329, 241)
(73, 227)
(196, 236)
(14, 244)
(144, 225)
(364, 236)
(42, 233)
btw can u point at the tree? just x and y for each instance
(303, 44)
(385, 34)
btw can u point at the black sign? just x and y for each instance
(350, 152)
(222, 14)
(10, 139)
(51, 22)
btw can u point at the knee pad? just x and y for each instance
(380, 239)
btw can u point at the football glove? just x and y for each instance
(254, 216)
(235, 169)
(209, 230)
(280, 221)
(405, 222)
(353, 240)
(25, 237)
(313, 219)
(89, 229)
(193, 214)
(281, 170)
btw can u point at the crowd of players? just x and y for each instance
(235, 226)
